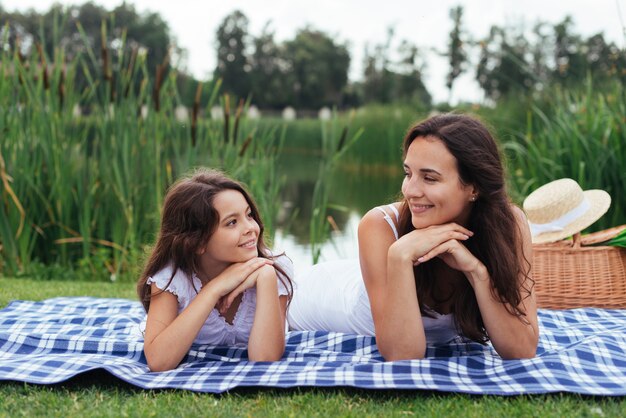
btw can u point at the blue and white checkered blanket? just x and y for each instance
(581, 351)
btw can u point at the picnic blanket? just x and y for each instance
(580, 351)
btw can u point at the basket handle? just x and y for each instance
(576, 240)
(600, 236)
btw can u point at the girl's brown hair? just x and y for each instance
(497, 240)
(187, 223)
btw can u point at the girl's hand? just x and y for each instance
(250, 282)
(419, 242)
(235, 275)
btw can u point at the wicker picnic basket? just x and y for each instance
(574, 274)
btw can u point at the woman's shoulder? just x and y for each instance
(520, 216)
(379, 213)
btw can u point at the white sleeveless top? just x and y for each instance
(331, 296)
(216, 331)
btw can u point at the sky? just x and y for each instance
(365, 22)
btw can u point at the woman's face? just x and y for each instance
(432, 186)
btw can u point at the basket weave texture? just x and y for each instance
(568, 277)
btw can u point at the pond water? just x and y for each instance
(355, 189)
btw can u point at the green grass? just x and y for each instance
(101, 395)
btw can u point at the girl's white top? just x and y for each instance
(216, 331)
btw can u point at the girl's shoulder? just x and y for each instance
(179, 283)
(286, 273)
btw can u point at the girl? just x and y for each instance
(450, 259)
(210, 278)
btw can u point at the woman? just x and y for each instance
(451, 258)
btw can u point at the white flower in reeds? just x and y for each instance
(181, 113)
(253, 112)
(324, 114)
(217, 112)
(289, 113)
(144, 111)
(77, 111)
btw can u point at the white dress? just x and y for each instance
(331, 296)
(216, 331)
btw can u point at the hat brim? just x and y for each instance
(599, 202)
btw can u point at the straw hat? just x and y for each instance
(560, 209)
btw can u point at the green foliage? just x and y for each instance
(389, 81)
(580, 136)
(335, 143)
(84, 190)
(232, 61)
(457, 56)
(619, 240)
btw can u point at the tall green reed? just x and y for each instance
(84, 189)
(581, 135)
(336, 141)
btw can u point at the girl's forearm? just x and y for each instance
(167, 349)
(267, 337)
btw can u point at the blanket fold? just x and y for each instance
(580, 351)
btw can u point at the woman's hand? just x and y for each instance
(455, 255)
(419, 243)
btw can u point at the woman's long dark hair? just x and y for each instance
(187, 223)
(497, 240)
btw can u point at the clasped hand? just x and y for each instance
(236, 279)
(443, 241)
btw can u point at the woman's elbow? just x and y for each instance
(402, 353)
(522, 351)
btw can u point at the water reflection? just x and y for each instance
(355, 189)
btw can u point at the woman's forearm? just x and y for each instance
(511, 336)
(401, 334)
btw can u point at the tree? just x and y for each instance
(232, 62)
(387, 81)
(319, 67)
(59, 28)
(570, 62)
(503, 67)
(269, 73)
(457, 56)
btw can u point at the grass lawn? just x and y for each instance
(99, 394)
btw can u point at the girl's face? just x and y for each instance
(432, 186)
(235, 237)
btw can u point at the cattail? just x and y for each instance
(226, 117)
(194, 114)
(237, 117)
(342, 138)
(245, 145)
(104, 52)
(20, 58)
(158, 83)
(129, 71)
(44, 67)
(332, 223)
(157, 88)
(61, 88)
